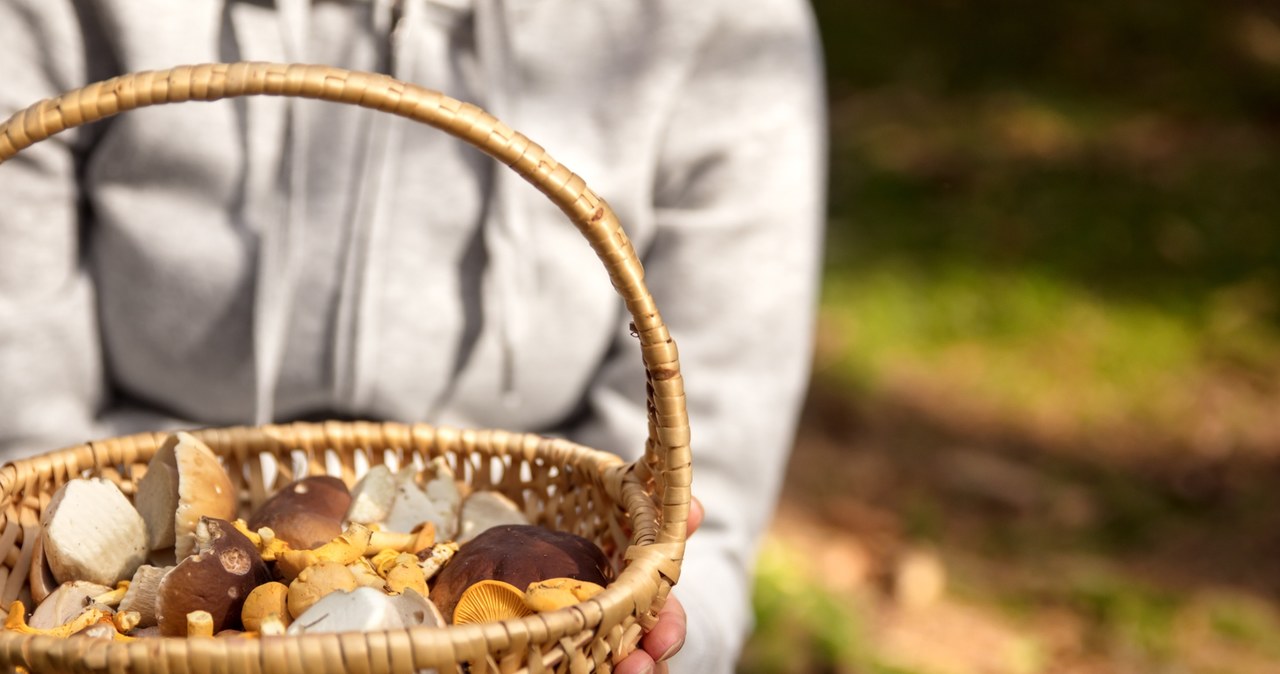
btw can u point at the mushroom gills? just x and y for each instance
(490, 601)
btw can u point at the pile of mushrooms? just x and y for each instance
(396, 550)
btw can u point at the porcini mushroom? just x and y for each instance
(437, 502)
(141, 596)
(519, 555)
(307, 513)
(372, 496)
(490, 601)
(484, 510)
(66, 602)
(91, 532)
(217, 579)
(366, 609)
(184, 482)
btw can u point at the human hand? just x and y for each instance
(667, 636)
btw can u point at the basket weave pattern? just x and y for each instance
(636, 512)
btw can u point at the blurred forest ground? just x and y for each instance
(1044, 430)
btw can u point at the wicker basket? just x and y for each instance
(636, 512)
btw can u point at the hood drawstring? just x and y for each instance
(508, 240)
(506, 237)
(353, 352)
(281, 237)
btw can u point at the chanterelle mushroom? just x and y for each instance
(518, 555)
(489, 601)
(317, 581)
(217, 579)
(266, 600)
(184, 482)
(91, 532)
(557, 593)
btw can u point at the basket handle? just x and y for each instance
(667, 458)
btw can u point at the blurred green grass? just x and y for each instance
(1060, 220)
(1067, 211)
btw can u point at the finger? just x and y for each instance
(667, 636)
(695, 514)
(638, 662)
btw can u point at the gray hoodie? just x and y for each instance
(268, 259)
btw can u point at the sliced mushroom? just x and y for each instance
(92, 533)
(366, 609)
(40, 577)
(17, 621)
(142, 593)
(490, 601)
(483, 510)
(306, 513)
(372, 496)
(519, 555)
(438, 502)
(65, 603)
(217, 579)
(184, 482)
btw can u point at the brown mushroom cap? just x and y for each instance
(216, 579)
(184, 482)
(519, 555)
(307, 513)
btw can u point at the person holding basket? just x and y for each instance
(272, 259)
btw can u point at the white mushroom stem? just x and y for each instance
(440, 555)
(421, 539)
(272, 626)
(199, 624)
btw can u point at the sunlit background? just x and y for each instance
(1044, 431)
